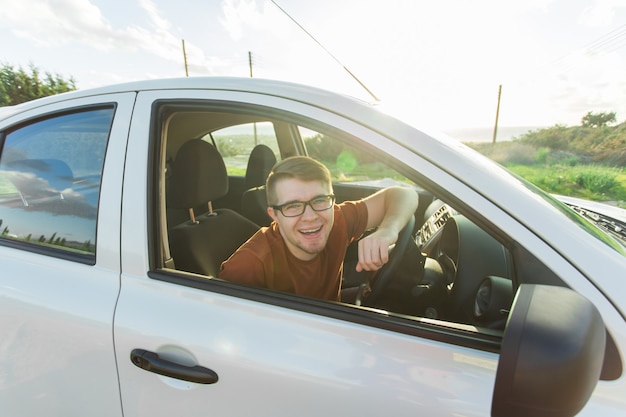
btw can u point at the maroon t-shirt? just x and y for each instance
(265, 261)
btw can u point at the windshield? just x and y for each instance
(608, 230)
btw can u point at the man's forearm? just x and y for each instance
(400, 204)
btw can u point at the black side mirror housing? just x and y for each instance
(551, 355)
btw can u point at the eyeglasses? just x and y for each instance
(296, 208)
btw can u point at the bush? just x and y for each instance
(331, 150)
(584, 162)
(18, 86)
(595, 179)
(555, 137)
(542, 155)
(567, 158)
(605, 145)
(228, 147)
(514, 153)
(323, 147)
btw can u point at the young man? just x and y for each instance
(302, 250)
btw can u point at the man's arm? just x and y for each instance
(389, 210)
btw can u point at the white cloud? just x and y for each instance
(241, 17)
(601, 13)
(236, 14)
(155, 15)
(54, 22)
(440, 61)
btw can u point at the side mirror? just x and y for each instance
(551, 355)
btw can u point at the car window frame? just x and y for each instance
(453, 333)
(431, 175)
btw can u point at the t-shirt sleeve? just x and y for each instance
(355, 215)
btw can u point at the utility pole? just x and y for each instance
(250, 62)
(495, 128)
(254, 124)
(185, 60)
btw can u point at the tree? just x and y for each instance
(18, 86)
(598, 119)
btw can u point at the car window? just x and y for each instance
(346, 162)
(452, 274)
(50, 173)
(447, 274)
(235, 143)
(442, 263)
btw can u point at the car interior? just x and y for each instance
(445, 267)
(208, 196)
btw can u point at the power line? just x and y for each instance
(610, 40)
(606, 43)
(327, 51)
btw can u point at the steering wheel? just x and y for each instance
(385, 275)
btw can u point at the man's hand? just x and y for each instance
(374, 250)
(388, 209)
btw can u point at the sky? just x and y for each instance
(437, 63)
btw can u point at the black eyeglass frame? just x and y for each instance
(306, 203)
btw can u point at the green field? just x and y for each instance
(581, 162)
(591, 182)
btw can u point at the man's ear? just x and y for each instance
(272, 213)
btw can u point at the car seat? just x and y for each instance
(201, 243)
(254, 200)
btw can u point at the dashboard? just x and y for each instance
(433, 224)
(468, 274)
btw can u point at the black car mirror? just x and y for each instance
(551, 355)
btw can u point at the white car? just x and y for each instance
(498, 300)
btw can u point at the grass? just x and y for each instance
(563, 173)
(590, 182)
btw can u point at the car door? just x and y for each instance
(61, 176)
(194, 345)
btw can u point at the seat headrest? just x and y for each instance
(198, 175)
(260, 163)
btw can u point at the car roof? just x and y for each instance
(6, 110)
(252, 85)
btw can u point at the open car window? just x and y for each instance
(348, 163)
(236, 143)
(450, 270)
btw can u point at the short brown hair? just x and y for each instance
(302, 168)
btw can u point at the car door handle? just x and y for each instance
(150, 361)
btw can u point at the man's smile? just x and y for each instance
(310, 231)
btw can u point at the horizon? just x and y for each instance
(485, 134)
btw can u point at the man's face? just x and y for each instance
(305, 235)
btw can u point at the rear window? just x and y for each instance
(50, 175)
